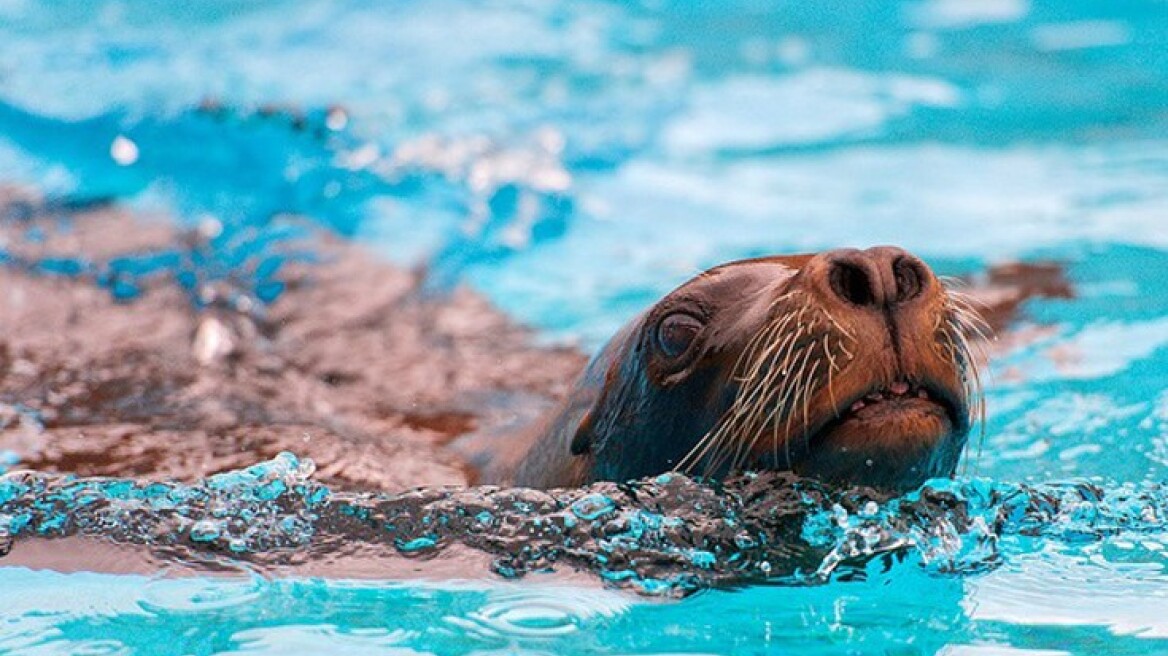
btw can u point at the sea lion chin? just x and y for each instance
(848, 366)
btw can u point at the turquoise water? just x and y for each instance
(574, 161)
(950, 567)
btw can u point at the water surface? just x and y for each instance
(574, 161)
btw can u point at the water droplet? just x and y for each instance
(592, 507)
(205, 530)
(336, 119)
(416, 544)
(123, 151)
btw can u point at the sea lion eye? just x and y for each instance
(676, 333)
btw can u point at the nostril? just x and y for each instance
(851, 283)
(910, 278)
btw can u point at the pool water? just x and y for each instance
(574, 161)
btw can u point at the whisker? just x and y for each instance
(840, 328)
(831, 369)
(777, 374)
(791, 414)
(953, 283)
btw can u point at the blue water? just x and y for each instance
(574, 161)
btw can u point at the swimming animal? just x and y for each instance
(850, 366)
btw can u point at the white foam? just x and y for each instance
(960, 14)
(820, 104)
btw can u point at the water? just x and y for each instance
(971, 562)
(574, 161)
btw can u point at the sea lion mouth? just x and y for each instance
(892, 436)
(889, 435)
(893, 403)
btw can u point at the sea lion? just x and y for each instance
(850, 366)
(385, 387)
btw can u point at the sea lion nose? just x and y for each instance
(879, 277)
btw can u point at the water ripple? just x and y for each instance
(163, 596)
(539, 612)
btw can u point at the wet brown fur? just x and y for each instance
(795, 357)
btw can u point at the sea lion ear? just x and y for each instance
(582, 440)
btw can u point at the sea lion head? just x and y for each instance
(850, 366)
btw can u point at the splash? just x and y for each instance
(668, 535)
(237, 177)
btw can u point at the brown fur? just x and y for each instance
(780, 360)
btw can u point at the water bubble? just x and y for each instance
(702, 558)
(417, 544)
(336, 119)
(205, 530)
(593, 507)
(123, 151)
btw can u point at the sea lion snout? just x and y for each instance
(880, 279)
(872, 372)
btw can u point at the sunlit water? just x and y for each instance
(576, 160)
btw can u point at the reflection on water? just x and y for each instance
(900, 608)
